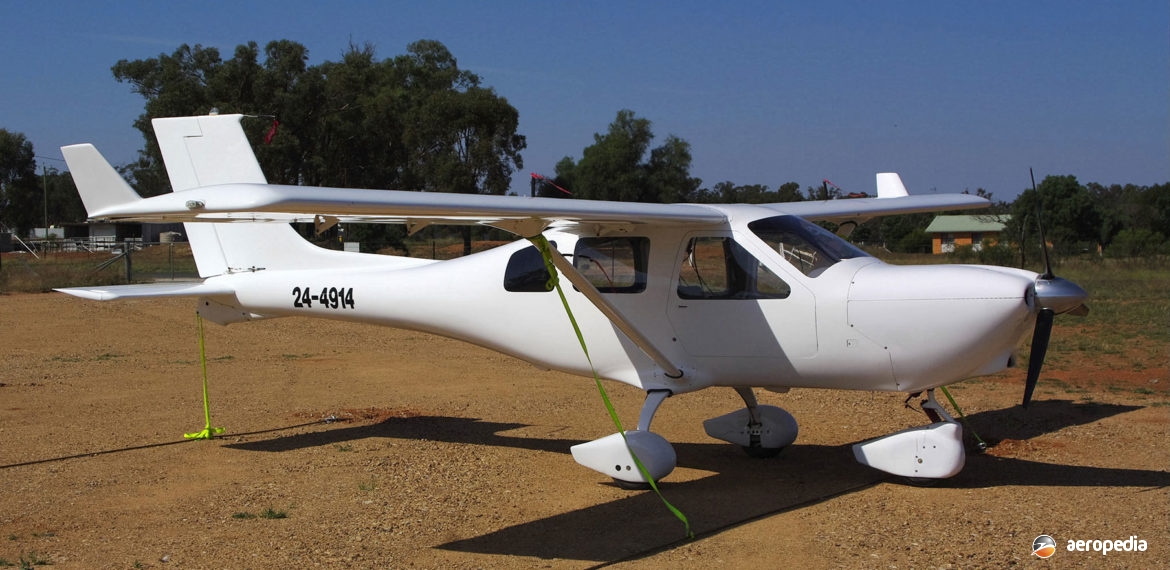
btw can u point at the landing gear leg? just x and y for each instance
(762, 431)
(611, 455)
(934, 410)
(654, 398)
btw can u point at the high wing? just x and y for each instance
(278, 203)
(219, 181)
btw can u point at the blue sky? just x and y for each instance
(951, 95)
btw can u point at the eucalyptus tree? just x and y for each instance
(620, 165)
(416, 121)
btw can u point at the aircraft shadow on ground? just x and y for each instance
(1041, 417)
(447, 429)
(741, 490)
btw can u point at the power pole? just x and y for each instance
(45, 185)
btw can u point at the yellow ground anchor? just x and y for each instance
(543, 246)
(208, 432)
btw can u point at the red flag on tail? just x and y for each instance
(271, 132)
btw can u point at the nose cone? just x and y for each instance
(1060, 296)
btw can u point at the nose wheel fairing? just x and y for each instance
(933, 451)
(926, 452)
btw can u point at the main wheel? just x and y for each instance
(631, 485)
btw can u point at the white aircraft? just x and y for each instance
(670, 298)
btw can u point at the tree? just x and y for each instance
(823, 192)
(616, 167)
(905, 233)
(19, 183)
(1137, 242)
(610, 168)
(789, 192)
(728, 192)
(173, 85)
(668, 176)
(1072, 222)
(1144, 211)
(416, 121)
(461, 137)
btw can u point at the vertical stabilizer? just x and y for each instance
(889, 185)
(99, 185)
(205, 151)
(211, 150)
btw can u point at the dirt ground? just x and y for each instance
(446, 455)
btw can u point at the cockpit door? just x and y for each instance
(727, 303)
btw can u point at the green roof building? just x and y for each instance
(947, 232)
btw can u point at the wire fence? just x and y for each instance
(42, 265)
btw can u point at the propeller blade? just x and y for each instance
(1039, 347)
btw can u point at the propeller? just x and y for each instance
(1053, 296)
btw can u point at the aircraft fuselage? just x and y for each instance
(725, 306)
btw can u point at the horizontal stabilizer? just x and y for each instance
(100, 186)
(111, 292)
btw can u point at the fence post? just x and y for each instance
(129, 265)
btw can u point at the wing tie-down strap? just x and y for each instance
(554, 283)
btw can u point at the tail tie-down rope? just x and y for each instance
(542, 245)
(208, 432)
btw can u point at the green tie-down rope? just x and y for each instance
(542, 245)
(208, 432)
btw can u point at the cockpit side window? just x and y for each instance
(719, 268)
(613, 264)
(807, 246)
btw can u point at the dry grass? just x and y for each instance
(24, 273)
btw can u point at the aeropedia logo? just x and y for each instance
(1044, 546)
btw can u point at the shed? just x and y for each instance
(947, 232)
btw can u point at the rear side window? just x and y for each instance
(613, 264)
(526, 272)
